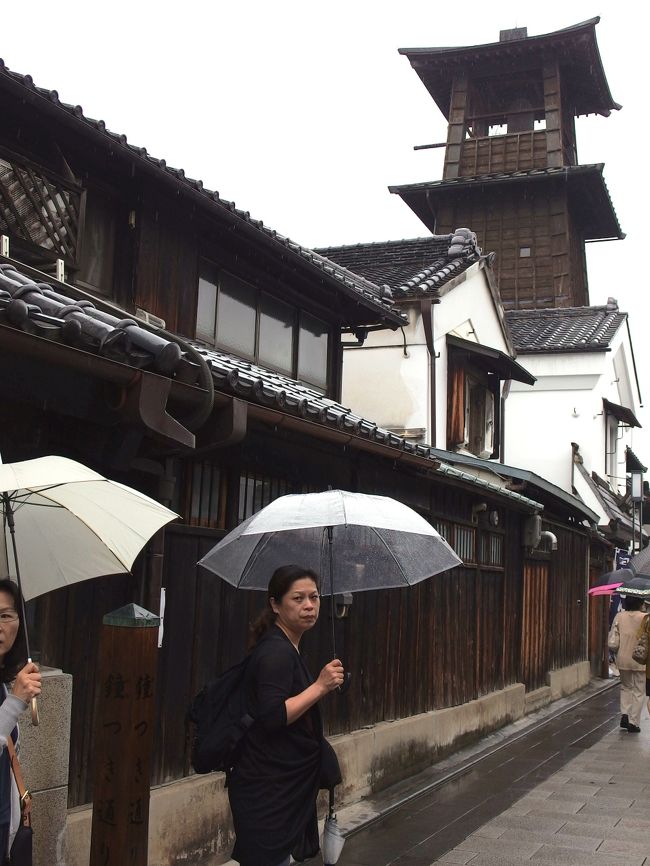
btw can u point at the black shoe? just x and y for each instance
(624, 721)
(633, 729)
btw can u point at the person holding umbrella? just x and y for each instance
(274, 785)
(26, 685)
(622, 640)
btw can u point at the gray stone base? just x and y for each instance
(190, 819)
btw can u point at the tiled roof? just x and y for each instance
(576, 47)
(40, 309)
(376, 297)
(260, 385)
(410, 267)
(610, 502)
(569, 329)
(589, 195)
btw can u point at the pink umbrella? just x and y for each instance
(608, 589)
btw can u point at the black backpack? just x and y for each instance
(221, 717)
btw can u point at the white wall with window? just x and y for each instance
(389, 379)
(567, 406)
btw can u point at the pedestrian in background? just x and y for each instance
(622, 639)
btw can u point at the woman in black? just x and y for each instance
(274, 785)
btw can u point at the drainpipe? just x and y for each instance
(426, 311)
(502, 431)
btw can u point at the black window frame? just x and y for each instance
(207, 266)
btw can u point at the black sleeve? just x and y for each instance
(274, 683)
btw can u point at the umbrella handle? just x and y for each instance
(345, 685)
(35, 716)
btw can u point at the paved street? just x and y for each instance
(575, 790)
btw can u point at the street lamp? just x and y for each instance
(636, 469)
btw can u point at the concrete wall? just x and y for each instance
(190, 819)
(44, 752)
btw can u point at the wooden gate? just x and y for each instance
(535, 626)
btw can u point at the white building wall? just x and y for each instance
(383, 385)
(566, 405)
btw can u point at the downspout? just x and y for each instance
(502, 431)
(426, 311)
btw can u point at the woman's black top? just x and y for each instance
(274, 785)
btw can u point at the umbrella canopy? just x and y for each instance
(618, 576)
(71, 523)
(368, 542)
(609, 582)
(637, 586)
(640, 563)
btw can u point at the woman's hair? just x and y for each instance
(632, 603)
(282, 580)
(17, 655)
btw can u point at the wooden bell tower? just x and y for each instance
(511, 168)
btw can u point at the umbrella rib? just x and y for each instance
(391, 554)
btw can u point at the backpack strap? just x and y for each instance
(23, 792)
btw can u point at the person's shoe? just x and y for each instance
(633, 729)
(625, 721)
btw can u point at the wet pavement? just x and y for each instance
(575, 789)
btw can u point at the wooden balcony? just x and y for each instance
(519, 151)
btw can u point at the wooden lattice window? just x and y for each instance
(461, 538)
(39, 207)
(491, 552)
(205, 495)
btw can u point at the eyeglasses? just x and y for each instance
(8, 616)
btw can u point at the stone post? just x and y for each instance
(44, 758)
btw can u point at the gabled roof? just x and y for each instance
(585, 185)
(419, 266)
(575, 46)
(568, 329)
(374, 299)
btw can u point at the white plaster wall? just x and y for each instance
(468, 312)
(566, 405)
(380, 384)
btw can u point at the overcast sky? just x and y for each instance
(303, 112)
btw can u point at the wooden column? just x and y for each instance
(124, 737)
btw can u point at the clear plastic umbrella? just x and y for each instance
(332, 839)
(367, 542)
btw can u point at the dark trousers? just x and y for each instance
(4, 842)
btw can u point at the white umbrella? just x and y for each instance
(368, 542)
(72, 524)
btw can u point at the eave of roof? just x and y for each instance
(493, 360)
(373, 298)
(625, 415)
(632, 462)
(575, 505)
(436, 66)
(586, 186)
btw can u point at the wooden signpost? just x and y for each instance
(124, 738)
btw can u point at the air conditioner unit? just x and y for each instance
(149, 318)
